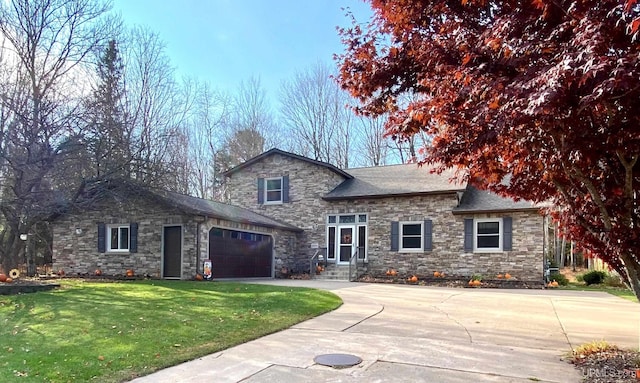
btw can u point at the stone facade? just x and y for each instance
(309, 182)
(75, 239)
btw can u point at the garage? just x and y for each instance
(240, 254)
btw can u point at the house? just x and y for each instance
(400, 216)
(284, 208)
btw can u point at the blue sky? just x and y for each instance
(228, 41)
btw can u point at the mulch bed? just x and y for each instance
(454, 282)
(26, 285)
(610, 366)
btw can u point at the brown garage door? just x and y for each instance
(239, 254)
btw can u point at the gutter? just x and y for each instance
(495, 210)
(380, 196)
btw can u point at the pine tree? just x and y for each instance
(108, 136)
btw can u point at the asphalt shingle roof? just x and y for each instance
(221, 210)
(394, 180)
(475, 201)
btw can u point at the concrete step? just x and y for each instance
(333, 273)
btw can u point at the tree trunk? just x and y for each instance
(573, 257)
(562, 251)
(633, 273)
(14, 250)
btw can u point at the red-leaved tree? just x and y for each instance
(546, 93)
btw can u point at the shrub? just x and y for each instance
(594, 277)
(613, 280)
(592, 348)
(560, 278)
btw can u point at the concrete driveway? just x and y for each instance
(425, 334)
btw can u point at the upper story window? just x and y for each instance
(488, 234)
(273, 190)
(118, 238)
(411, 236)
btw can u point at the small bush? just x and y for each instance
(579, 278)
(560, 278)
(594, 277)
(613, 280)
(591, 348)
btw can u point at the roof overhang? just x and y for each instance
(259, 157)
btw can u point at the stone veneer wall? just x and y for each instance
(78, 253)
(308, 183)
(307, 210)
(525, 261)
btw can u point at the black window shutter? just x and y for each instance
(395, 236)
(428, 235)
(285, 189)
(102, 237)
(468, 235)
(260, 191)
(133, 238)
(507, 236)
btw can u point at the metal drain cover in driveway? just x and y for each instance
(337, 360)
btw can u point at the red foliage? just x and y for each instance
(545, 94)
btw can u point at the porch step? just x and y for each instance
(333, 272)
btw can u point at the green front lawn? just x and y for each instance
(112, 332)
(617, 291)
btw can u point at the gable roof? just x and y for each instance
(394, 180)
(270, 152)
(475, 200)
(213, 209)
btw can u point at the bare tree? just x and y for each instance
(252, 113)
(375, 146)
(206, 131)
(250, 127)
(314, 109)
(45, 43)
(157, 109)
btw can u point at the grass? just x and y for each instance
(112, 332)
(617, 291)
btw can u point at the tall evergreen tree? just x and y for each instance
(108, 136)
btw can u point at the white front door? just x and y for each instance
(346, 243)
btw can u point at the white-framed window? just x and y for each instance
(411, 239)
(273, 190)
(118, 238)
(487, 234)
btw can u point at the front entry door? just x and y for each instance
(347, 241)
(172, 251)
